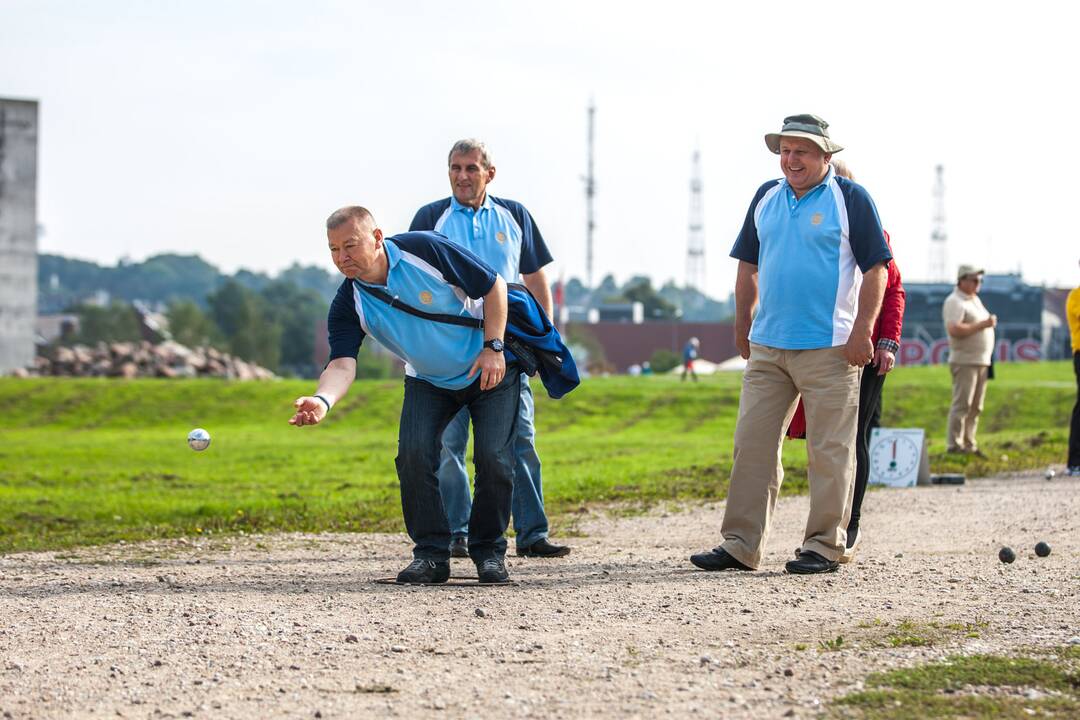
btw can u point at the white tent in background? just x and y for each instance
(704, 367)
(735, 363)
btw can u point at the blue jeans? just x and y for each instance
(425, 413)
(530, 521)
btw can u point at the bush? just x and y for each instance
(664, 360)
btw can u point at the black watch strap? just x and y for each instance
(494, 344)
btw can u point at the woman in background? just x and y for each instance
(886, 339)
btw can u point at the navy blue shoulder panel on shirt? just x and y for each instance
(427, 216)
(343, 324)
(459, 267)
(747, 245)
(865, 234)
(534, 251)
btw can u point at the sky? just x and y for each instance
(232, 129)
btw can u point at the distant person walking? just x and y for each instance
(813, 250)
(886, 339)
(689, 355)
(1072, 312)
(971, 346)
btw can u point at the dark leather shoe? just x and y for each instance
(717, 559)
(459, 547)
(810, 563)
(425, 572)
(492, 570)
(543, 549)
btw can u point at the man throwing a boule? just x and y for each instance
(448, 367)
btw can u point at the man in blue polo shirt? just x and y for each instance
(449, 367)
(503, 234)
(812, 249)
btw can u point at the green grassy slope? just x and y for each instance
(90, 461)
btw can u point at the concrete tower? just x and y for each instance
(936, 265)
(695, 238)
(18, 232)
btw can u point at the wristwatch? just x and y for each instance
(494, 344)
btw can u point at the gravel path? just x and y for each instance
(294, 626)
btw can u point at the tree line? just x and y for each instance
(271, 320)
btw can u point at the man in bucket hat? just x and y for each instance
(813, 257)
(971, 347)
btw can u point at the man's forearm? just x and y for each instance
(495, 311)
(746, 295)
(963, 330)
(335, 380)
(538, 285)
(870, 295)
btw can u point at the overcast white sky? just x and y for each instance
(231, 129)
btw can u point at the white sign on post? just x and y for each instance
(898, 457)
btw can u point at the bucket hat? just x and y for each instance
(809, 127)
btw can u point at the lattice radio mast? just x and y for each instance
(937, 231)
(590, 192)
(695, 239)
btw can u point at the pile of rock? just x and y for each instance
(130, 360)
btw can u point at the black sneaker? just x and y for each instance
(492, 570)
(459, 547)
(425, 572)
(810, 563)
(717, 559)
(543, 549)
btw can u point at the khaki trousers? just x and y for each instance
(968, 391)
(772, 382)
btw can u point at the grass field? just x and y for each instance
(92, 461)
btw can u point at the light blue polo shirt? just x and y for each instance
(501, 232)
(431, 274)
(811, 253)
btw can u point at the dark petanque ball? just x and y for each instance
(1042, 549)
(1006, 555)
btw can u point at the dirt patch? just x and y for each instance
(295, 625)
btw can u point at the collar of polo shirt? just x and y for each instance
(455, 205)
(393, 255)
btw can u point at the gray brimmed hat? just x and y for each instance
(808, 127)
(964, 270)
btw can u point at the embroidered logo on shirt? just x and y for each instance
(425, 297)
(501, 237)
(816, 219)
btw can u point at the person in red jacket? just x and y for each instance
(886, 339)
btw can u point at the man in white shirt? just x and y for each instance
(971, 346)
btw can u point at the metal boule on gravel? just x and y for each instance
(1006, 555)
(1042, 549)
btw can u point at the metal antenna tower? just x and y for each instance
(937, 230)
(590, 192)
(695, 239)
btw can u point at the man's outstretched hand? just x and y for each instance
(309, 411)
